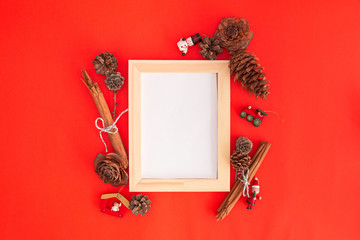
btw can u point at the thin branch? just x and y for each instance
(115, 105)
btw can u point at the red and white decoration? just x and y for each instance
(255, 190)
(184, 44)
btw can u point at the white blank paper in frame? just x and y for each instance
(179, 125)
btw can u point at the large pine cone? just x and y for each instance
(240, 161)
(105, 63)
(234, 34)
(246, 69)
(210, 48)
(114, 81)
(243, 144)
(140, 204)
(110, 170)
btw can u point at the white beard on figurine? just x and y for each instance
(116, 207)
(184, 44)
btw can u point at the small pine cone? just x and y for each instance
(240, 161)
(114, 81)
(243, 144)
(105, 63)
(210, 48)
(110, 169)
(246, 69)
(234, 34)
(140, 204)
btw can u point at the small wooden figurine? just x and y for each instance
(255, 116)
(114, 204)
(184, 44)
(255, 189)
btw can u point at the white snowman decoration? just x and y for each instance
(184, 44)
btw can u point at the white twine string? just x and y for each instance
(246, 183)
(112, 129)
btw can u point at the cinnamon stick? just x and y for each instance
(236, 187)
(237, 190)
(252, 171)
(105, 114)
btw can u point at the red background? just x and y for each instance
(310, 51)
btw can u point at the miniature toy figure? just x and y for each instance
(114, 204)
(253, 116)
(184, 44)
(255, 188)
(116, 207)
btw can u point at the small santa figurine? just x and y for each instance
(255, 189)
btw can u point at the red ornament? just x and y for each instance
(255, 189)
(251, 115)
(114, 204)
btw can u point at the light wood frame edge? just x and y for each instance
(136, 183)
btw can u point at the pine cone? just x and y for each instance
(246, 69)
(210, 48)
(105, 63)
(240, 161)
(114, 81)
(140, 204)
(110, 170)
(243, 144)
(234, 34)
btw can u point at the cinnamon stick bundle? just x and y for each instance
(237, 190)
(105, 114)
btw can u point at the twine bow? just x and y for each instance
(246, 183)
(112, 129)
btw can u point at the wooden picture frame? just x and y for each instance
(222, 181)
